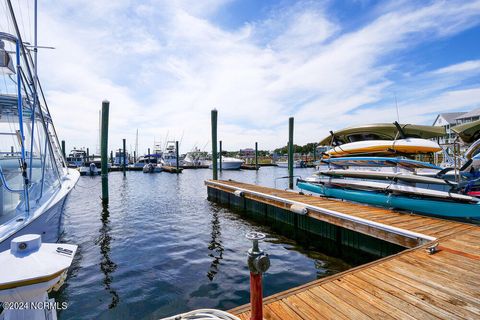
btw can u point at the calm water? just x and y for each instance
(161, 248)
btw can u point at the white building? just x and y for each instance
(448, 120)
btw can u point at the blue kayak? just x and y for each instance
(388, 200)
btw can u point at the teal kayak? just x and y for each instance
(389, 200)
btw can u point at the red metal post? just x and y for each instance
(256, 296)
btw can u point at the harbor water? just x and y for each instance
(161, 248)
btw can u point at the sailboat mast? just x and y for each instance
(136, 144)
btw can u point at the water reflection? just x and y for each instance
(215, 246)
(107, 265)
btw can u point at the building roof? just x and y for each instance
(450, 117)
(473, 113)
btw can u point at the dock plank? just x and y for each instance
(409, 285)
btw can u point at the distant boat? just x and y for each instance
(296, 164)
(118, 159)
(152, 168)
(169, 157)
(196, 158)
(90, 168)
(76, 158)
(229, 163)
(34, 176)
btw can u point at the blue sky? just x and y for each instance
(165, 64)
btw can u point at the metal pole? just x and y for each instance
(103, 149)
(177, 155)
(124, 160)
(220, 156)
(256, 155)
(63, 148)
(290, 153)
(214, 144)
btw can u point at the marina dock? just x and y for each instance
(410, 284)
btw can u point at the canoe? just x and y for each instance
(380, 162)
(381, 175)
(402, 146)
(420, 205)
(383, 131)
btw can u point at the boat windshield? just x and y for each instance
(30, 157)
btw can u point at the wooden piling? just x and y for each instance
(103, 150)
(111, 157)
(88, 154)
(214, 143)
(256, 155)
(177, 156)
(220, 156)
(63, 149)
(148, 156)
(290, 153)
(124, 159)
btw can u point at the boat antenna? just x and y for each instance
(396, 105)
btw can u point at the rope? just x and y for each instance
(204, 314)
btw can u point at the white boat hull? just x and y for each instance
(229, 164)
(46, 219)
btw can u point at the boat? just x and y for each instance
(468, 132)
(296, 164)
(34, 177)
(169, 157)
(385, 147)
(229, 163)
(118, 159)
(196, 159)
(389, 199)
(152, 168)
(76, 158)
(90, 168)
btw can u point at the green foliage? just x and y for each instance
(309, 147)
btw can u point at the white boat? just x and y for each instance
(76, 158)
(296, 164)
(90, 169)
(34, 177)
(152, 168)
(229, 163)
(196, 158)
(170, 155)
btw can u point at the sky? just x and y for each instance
(164, 65)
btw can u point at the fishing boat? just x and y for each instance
(34, 176)
(169, 157)
(76, 158)
(196, 159)
(229, 163)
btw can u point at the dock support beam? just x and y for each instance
(178, 156)
(124, 158)
(290, 153)
(103, 150)
(256, 155)
(63, 149)
(214, 144)
(220, 156)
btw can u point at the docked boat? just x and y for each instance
(152, 168)
(76, 158)
(34, 177)
(296, 164)
(118, 159)
(196, 159)
(90, 168)
(169, 157)
(229, 163)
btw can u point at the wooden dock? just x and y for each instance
(412, 284)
